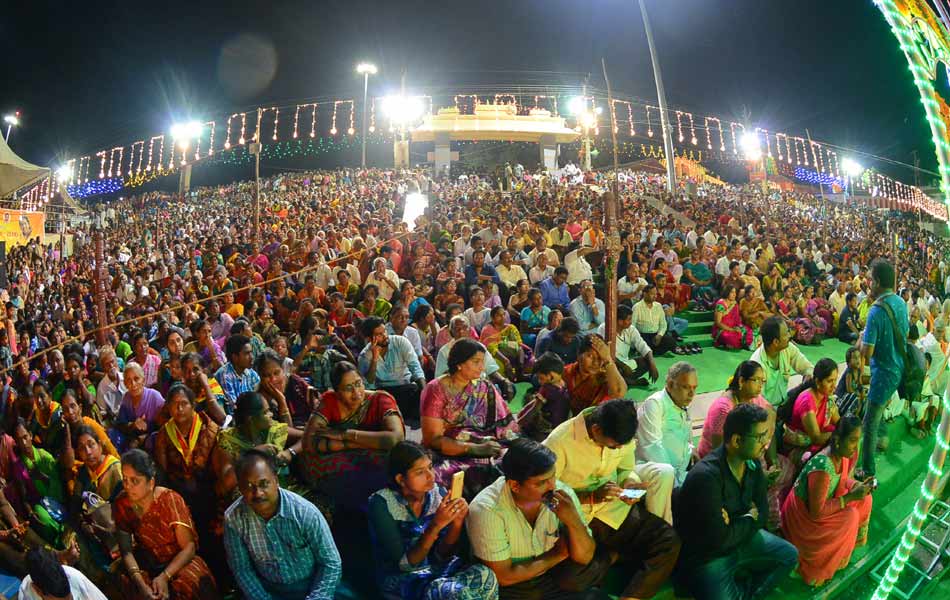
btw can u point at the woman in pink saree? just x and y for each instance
(728, 330)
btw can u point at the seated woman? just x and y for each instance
(46, 423)
(534, 317)
(805, 331)
(504, 343)
(463, 414)
(745, 386)
(817, 309)
(814, 415)
(42, 487)
(73, 419)
(141, 412)
(408, 298)
(594, 377)
(518, 301)
(415, 527)
(292, 399)
(826, 515)
(478, 314)
(209, 397)
(253, 428)
(99, 481)
(74, 379)
(447, 297)
(157, 538)
(728, 330)
(697, 274)
(183, 450)
(425, 323)
(445, 334)
(752, 308)
(372, 304)
(348, 437)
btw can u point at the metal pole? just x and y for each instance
(257, 182)
(365, 90)
(610, 228)
(661, 98)
(586, 165)
(100, 287)
(7, 137)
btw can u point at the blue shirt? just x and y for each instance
(553, 295)
(471, 275)
(233, 385)
(292, 555)
(886, 360)
(581, 311)
(399, 366)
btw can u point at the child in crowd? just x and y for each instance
(550, 405)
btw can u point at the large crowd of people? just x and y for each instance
(249, 404)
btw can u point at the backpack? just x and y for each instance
(915, 367)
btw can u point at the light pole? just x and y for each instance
(753, 153)
(661, 100)
(182, 134)
(365, 69)
(402, 110)
(587, 119)
(852, 169)
(11, 121)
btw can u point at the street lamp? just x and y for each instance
(852, 169)
(63, 173)
(11, 121)
(365, 69)
(402, 110)
(587, 119)
(752, 149)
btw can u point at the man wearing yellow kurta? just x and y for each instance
(596, 457)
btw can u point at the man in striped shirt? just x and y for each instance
(527, 527)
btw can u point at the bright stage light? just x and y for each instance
(183, 133)
(364, 68)
(416, 205)
(63, 173)
(577, 105)
(402, 109)
(851, 167)
(11, 120)
(750, 146)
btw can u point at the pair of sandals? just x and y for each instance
(686, 349)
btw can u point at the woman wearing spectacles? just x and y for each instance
(348, 437)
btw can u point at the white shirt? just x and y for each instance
(624, 286)
(722, 266)
(79, 587)
(109, 395)
(649, 320)
(385, 291)
(578, 269)
(627, 339)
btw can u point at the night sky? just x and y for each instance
(99, 74)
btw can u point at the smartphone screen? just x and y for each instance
(633, 494)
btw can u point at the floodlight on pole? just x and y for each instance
(365, 69)
(63, 173)
(183, 133)
(11, 121)
(851, 167)
(577, 105)
(750, 146)
(402, 109)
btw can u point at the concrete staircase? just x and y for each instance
(699, 330)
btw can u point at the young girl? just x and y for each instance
(851, 389)
(478, 314)
(504, 343)
(446, 297)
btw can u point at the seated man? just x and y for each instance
(237, 376)
(779, 358)
(628, 338)
(555, 293)
(595, 456)
(720, 514)
(649, 318)
(49, 579)
(527, 528)
(665, 432)
(587, 308)
(389, 363)
(278, 544)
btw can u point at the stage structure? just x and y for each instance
(494, 122)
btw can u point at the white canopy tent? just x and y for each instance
(16, 173)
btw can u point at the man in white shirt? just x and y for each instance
(50, 580)
(630, 286)
(385, 279)
(650, 320)
(628, 338)
(578, 269)
(541, 247)
(665, 432)
(691, 237)
(111, 387)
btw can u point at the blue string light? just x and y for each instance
(816, 178)
(96, 187)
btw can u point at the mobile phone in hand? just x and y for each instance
(458, 480)
(633, 494)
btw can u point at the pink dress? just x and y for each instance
(716, 419)
(806, 403)
(731, 318)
